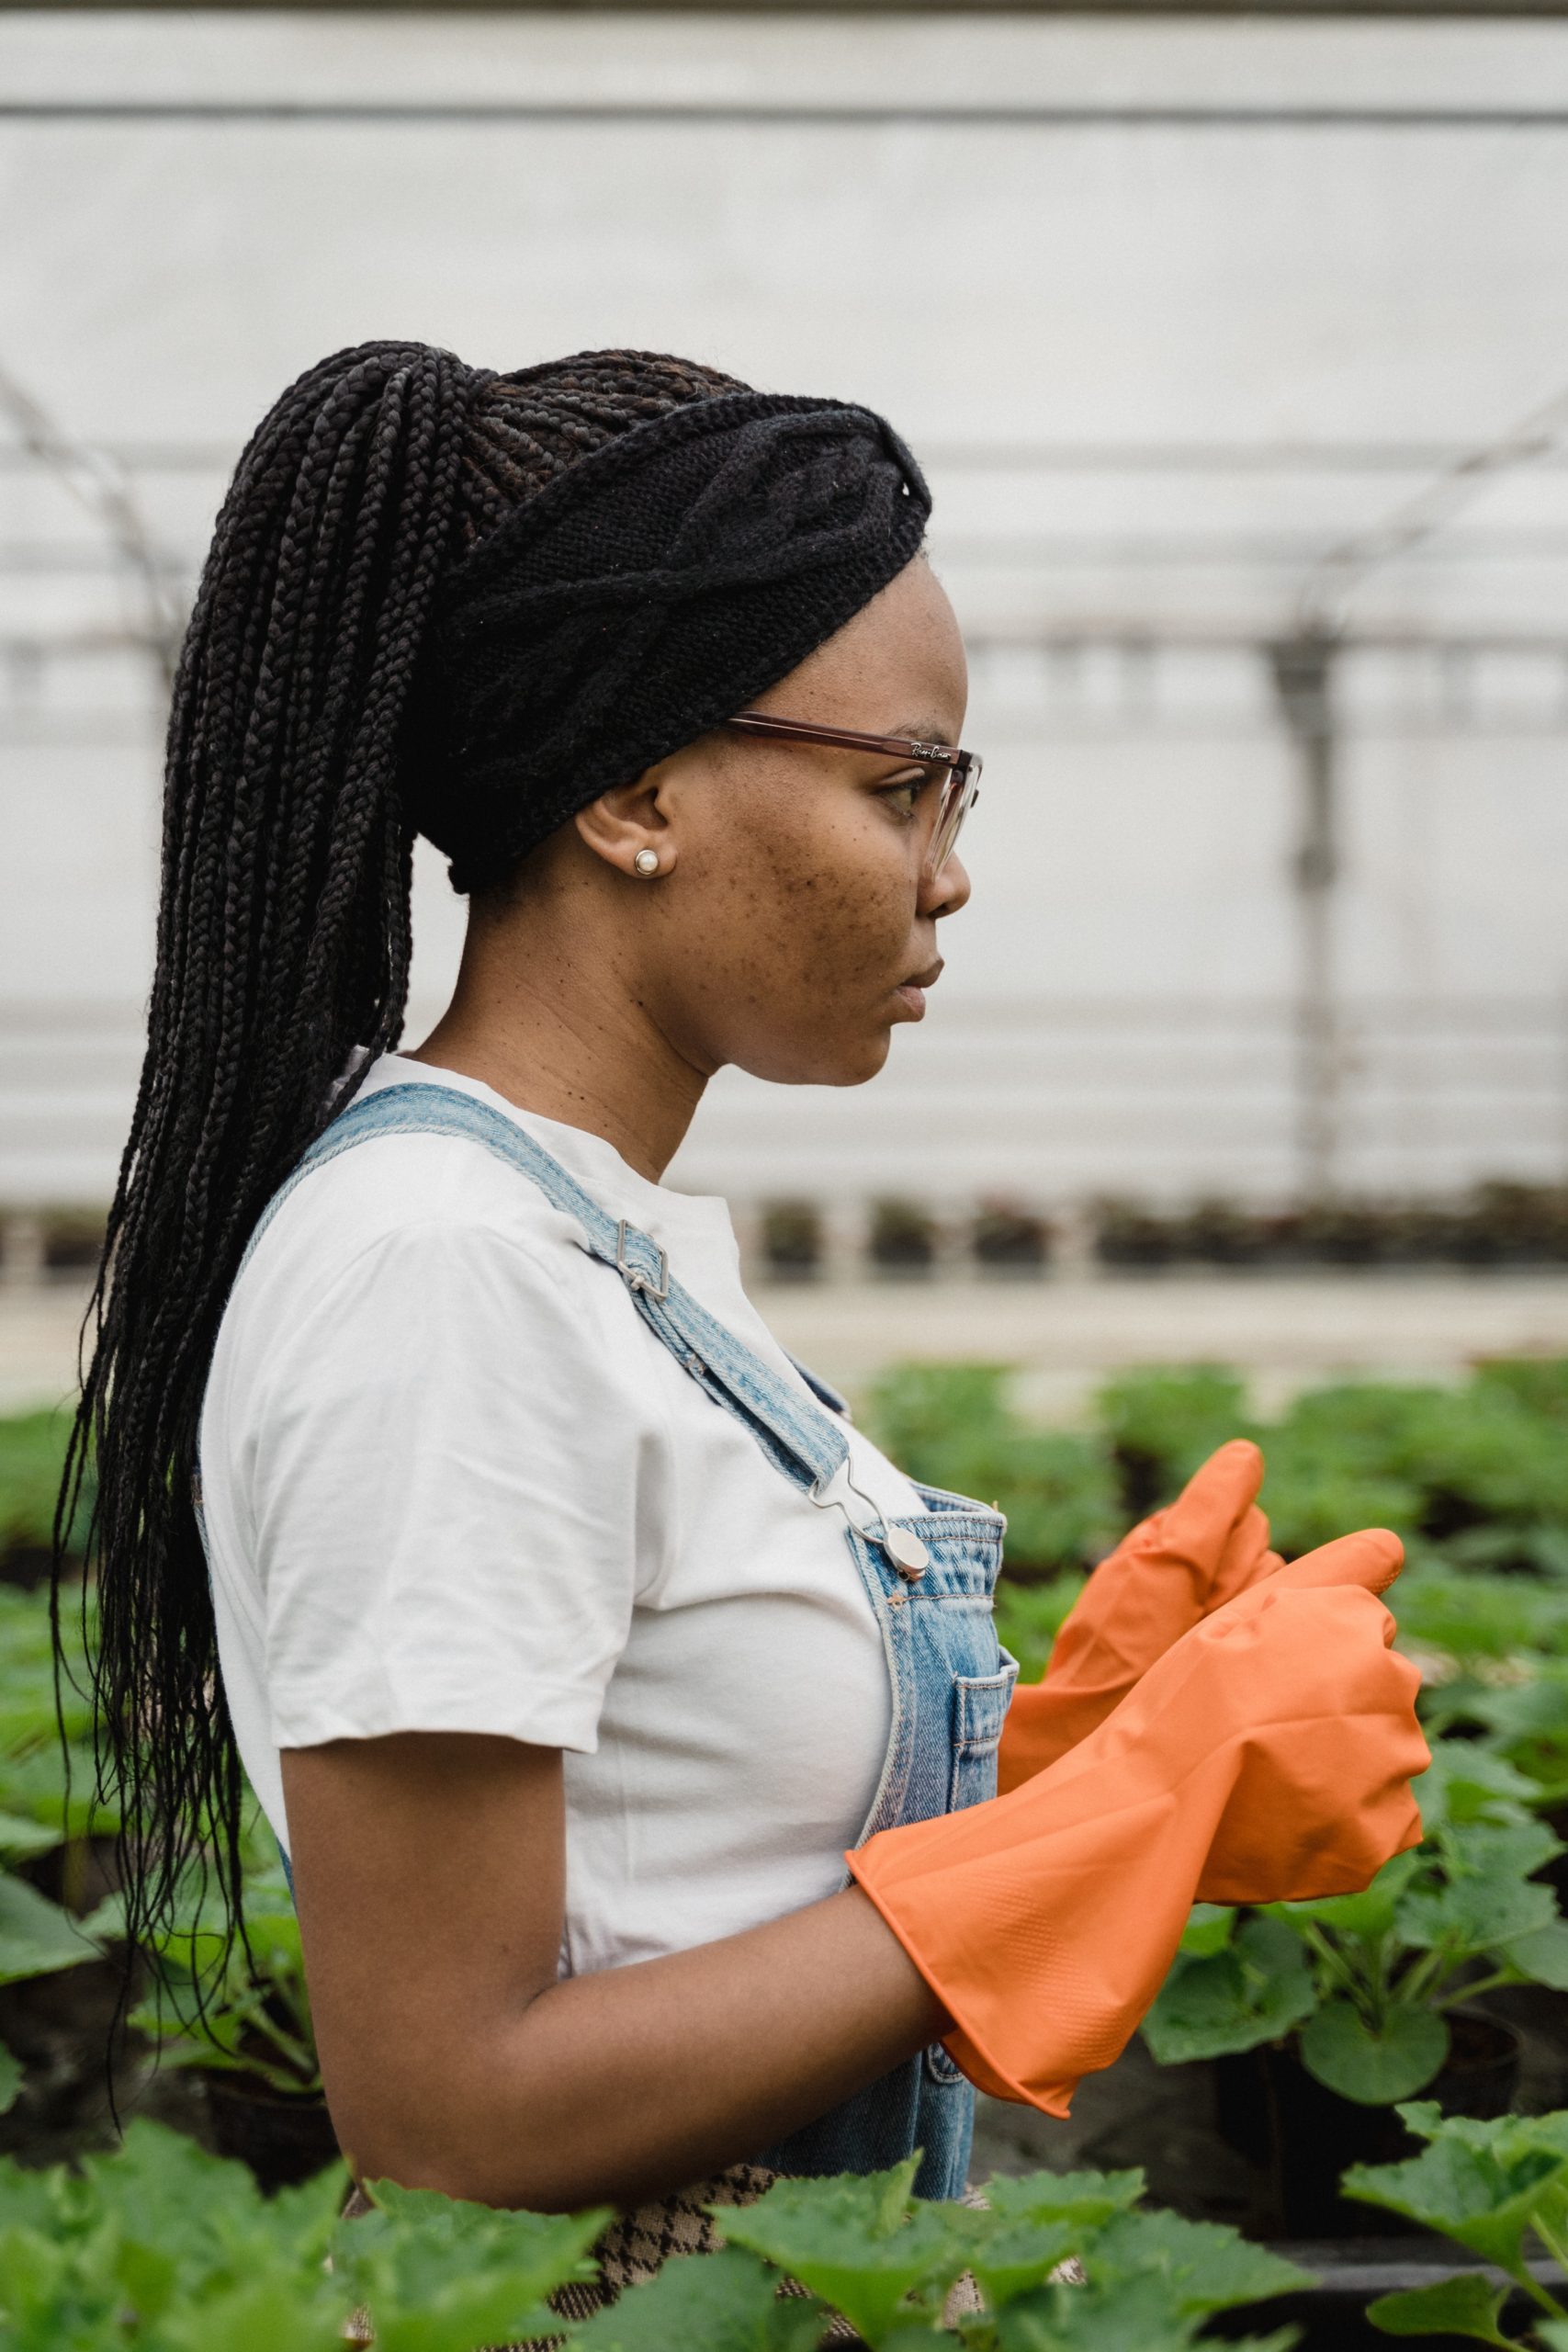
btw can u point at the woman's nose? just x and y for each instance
(945, 893)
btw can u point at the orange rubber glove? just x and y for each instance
(1190, 1559)
(1267, 1756)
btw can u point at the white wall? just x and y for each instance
(1155, 370)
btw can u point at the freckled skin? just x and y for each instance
(797, 907)
(788, 908)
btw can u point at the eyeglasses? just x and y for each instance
(959, 770)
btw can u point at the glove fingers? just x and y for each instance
(1373, 1557)
(1195, 1526)
(1245, 1560)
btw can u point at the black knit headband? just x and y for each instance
(657, 586)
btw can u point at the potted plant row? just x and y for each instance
(1324, 2014)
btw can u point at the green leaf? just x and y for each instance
(41, 1782)
(1505, 2136)
(1528, 1721)
(1374, 2069)
(31, 2200)
(165, 2191)
(1254, 1992)
(1133, 2316)
(1478, 1616)
(1029, 1618)
(1209, 1930)
(1541, 1956)
(1205, 2267)
(1088, 2199)
(1475, 1915)
(1479, 2183)
(1501, 1849)
(37, 1938)
(1368, 1914)
(854, 2239)
(21, 1837)
(725, 2302)
(10, 2079)
(953, 1426)
(1130, 2315)
(443, 2275)
(263, 2315)
(1173, 1416)
(1467, 2306)
(1466, 1782)
(1011, 2258)
(1033, 2221)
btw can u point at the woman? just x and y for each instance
(568, 1631)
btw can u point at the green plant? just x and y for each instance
(1480, 1469)
(902, 1237)
(1475, 1619)
(1004, 1235)
(792, 1238)
(1367, 1982)
(228, 2006)
(243, 2008)
(48, 1816)
(887, 2262)
(45, 1792)
(1525, 1719)
(1491, 2186)
(33, 1453)
(952, 1426)
(1030, 1617)
(1164, 1421)
(162, 2248)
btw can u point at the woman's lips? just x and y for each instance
(913, 992)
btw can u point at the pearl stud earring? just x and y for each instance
(646, 862)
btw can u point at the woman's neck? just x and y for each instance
(569, 1040)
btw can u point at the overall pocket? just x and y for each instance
(979, 1710)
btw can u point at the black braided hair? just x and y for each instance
(283, 943)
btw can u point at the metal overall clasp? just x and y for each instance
(635, 1279)
(902, 1545)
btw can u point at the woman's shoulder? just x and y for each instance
(401, 1222)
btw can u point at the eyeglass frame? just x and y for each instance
(961, 788)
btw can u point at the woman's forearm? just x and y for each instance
(430, 1871)
(629, 2083)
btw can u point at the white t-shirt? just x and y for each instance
(452, 1482)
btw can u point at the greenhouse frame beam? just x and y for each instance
(728, 113)
(1409, 11)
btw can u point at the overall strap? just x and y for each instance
(801, 1441)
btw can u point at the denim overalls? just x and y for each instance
(930, 1580)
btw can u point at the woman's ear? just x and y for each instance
(629, 826)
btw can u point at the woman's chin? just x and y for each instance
(839, 1062)
(862, 1061)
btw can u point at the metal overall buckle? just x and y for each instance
(902, 1545)
(635, 1279)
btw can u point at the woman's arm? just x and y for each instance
(429, 1870)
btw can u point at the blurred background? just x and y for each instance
(1236, 345)
(1236, 349)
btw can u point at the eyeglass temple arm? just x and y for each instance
(804, 731)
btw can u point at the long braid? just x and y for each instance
(283, 942)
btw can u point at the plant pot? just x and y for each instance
(282, 2139)
(1304, 2135)
(25, 1566)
